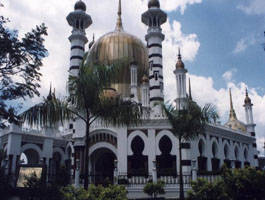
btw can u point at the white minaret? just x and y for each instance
(251, 126)
(79, 20)
(154, 17)
(180, 73)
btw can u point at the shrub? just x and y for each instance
(236, 184)
(203, 190)
(154, 189)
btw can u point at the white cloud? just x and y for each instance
(254, 7)
(244, 43)
(227, 76)
(171, 5)
(240, 46)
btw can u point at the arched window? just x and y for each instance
(166, 163)
(137, 163)
(214, 149)
(201, 147)
(154, 20)
(82, 24)
(77, 24)
(226, 151)
(246, 154)
(236, 153)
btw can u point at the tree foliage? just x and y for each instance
(20, 62)
(237, 184)
(90, 98)
(154, 189)
(112, 192)
(187, 124)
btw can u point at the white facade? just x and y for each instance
(136, 154)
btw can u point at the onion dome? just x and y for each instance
(154, 3)
(180, 64)
(247, 99)
(80, 5)
(109, 93)
(120, 48)
(145, 79)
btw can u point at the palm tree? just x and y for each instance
(90, 98)
(187, 124)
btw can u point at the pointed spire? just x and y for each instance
(179, 54)
(190, 97)
(179, 64)
(49, 97)
(119, 21)
(247, 99)
(232, 115)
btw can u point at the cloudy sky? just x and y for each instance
(221, 43)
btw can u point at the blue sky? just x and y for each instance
(220, 26)
(221, 43)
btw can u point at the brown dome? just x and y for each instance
(180, 64)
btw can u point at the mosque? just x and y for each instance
(133, 155)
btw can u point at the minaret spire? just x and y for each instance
(232, 114)
(190, 97)
(119, 21)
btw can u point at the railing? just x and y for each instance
(210, 177)
(176, 180)
(131, 180)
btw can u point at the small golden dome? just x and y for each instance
(145, 79)
(109, 93)
(247, 99)
(180, 64)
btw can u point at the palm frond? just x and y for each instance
(48, 113)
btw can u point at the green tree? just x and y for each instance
(154, 189)
(20, 62)
(203, 190)
(186, 124)
(236, 184)
(89, 100)
(244, 184)
(117, 192)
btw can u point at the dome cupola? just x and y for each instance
(154, 3)
(80, 5)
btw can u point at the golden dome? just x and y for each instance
(145, 79)
(109, 93)
(120, 46)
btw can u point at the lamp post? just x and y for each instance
(77, 174)
(115, 173)
(154, 172)
(194, 169)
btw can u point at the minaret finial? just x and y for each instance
(232, 111)
(119, 21)
(179, 54)
(190, 97)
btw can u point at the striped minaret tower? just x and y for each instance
(79, 20)
(180, 73)
(251, 126)
(154, 17)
